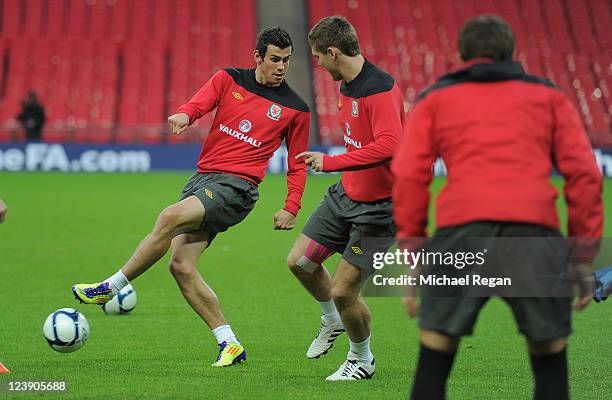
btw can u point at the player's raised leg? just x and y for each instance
(356, 317)
(305, 261)
(186, 250)
(187, 214)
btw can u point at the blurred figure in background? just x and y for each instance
(32, 117)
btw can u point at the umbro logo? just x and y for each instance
(208, 193)
(357, 250)
(237, 96)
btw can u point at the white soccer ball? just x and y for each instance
(66, 330)
(122, 303)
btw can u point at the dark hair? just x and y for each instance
(334, 31)
(486, 36)
(275, 36)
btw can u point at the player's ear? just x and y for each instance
(334, 53)
(257, 57)
(459, 58)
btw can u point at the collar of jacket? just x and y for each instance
(486, 70)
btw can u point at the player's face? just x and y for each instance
(271, 69)
(327, 61)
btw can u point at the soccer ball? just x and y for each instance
(122, 303)
(66, 330)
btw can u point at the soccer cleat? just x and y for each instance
(229, 354)
(352, 370)
(325, 339)
(92, 293)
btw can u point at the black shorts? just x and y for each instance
(354, 229)
(227, 200)
(538, 318)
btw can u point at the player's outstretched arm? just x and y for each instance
(3, 210)
(178, 123)
(204, 101)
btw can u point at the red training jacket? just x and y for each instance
(371, 116)
(500, 132)
(250, 124)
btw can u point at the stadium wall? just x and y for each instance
(72, 157)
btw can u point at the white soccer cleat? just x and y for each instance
(325, 339)
(352, 370)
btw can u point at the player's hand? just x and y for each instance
(584, 286)
(284, 220)
(3, 211)
(412, 306)
(178, 123)
(313, 159)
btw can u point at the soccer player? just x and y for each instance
(3, 210)
(500, 132)
(256, 110)
(355, 217)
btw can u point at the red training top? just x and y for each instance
(250, 124)
(371, 116)
(500, 132)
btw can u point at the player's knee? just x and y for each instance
(342, 296)
(299, 263)
(292, 258)
(292, 262)
(180, 269)
(547, 346)
(168, 220)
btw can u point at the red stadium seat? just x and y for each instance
(415, 41)
(12, 22)
(106, 69)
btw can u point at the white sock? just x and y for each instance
(330, 314)
(117, 282)
(361, 351)
(224, 333)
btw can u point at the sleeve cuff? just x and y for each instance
(292, 207)
(329, 163)
(186, 110)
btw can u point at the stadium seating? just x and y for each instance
(113, 70)
(568, 42)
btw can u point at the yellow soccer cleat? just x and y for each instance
(92, 293)
(230, 354)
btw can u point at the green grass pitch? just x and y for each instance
(68, 228)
